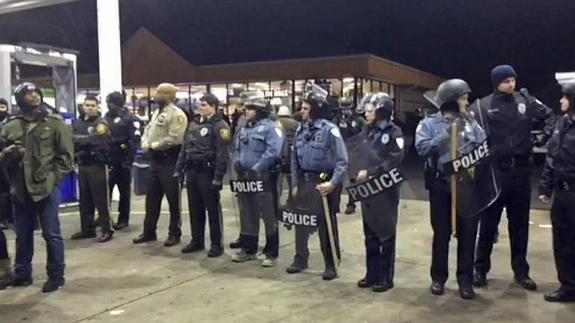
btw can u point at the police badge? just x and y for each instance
(521, 108)
(385, 138)
(204, 132)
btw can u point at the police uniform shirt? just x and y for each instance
(433, 135)
(125, 135)
(166, 129)
(385, 143)
(350, 126)
(259, 145)
(319, 147)
(206, 140)
(560, 162)
(91, 138)
(510, 118)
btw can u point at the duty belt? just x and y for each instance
(199, 164)
(312, 176)
(162, 154)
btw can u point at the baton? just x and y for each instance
(324, 177)
(454, 181)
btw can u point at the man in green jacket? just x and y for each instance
(38, 153)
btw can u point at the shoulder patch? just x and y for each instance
(225, 134)
(400, 142)
(335, 132)
(180, 120)
(102, 129)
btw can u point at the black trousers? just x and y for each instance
(563, 220)
(440, 202)
(161, 181)
(302, 233)
(121, 176)
(516, 199)
(93, 182)
(202, 198)
(380, 256)
(6, 212)
(3, 246)
(288, 179)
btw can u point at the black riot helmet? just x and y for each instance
(381, 102)
(345, 103)
(568, 90)
(261, 106)
(24, 88)
(317, 99)
(449, 92)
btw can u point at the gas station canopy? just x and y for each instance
(7, 6)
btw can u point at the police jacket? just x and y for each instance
(319, 147)
(205, 145)
(91, 137)
(48, 157)
(349, 125)
(560, 162)
(385, 144)
(124, 137)
(258, 145)
(509, 122)
(433, 140)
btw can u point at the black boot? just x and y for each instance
(172, 241)
(466, 291)
(437, 288)
(298, 265)
(526, 282)
(364, 283)
(560, 296)
(52, 285)
(479, 279)
(193, 246)
(142, 238)
(83, 235)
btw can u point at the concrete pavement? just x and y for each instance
(121, 282)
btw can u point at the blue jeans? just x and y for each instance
(25, 218)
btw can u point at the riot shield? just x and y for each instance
(253, 191)
(305, 209)
(379, 195)
(357, 152)
(474, 184)
(464, 155)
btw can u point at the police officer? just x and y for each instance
(432, 133)
(257, 155)
(558, 180)
(91, 136)
(385, 145)
(162, 139)
(125, 137)
(38, 156)
(203, 160)
(509, 123)
(5, 204)
(5, 209)
(318, 148)
(350, 124)
(288, 126)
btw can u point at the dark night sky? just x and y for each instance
(450, 38)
